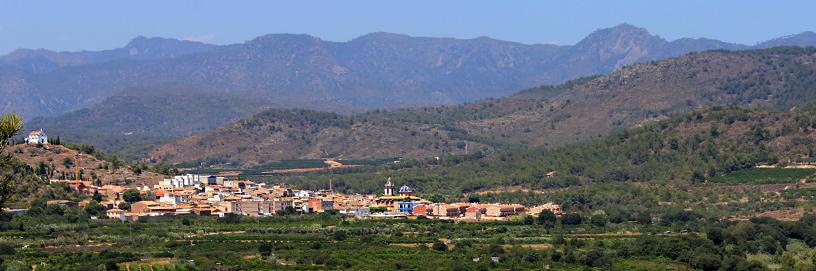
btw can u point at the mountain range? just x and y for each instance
(543, 117)
(374, 70)
(378, 70)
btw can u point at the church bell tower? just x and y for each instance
(389, 187)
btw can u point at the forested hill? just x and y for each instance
(541, 117)
(130, 123)
(689, 147)
(279, 134)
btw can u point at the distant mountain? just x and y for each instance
(139, 48)
(578, 110)
(134, 121)
(803, 39)
(378, 70)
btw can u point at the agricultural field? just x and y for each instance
(765, 176)
(332, 241)
(295, 166)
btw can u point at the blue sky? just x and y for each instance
(95, 25)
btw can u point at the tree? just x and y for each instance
(96, 196)
(67, 162)
(571, 219)
(439, 245)
(598, 220)
(6, 249)
(265, 249)
(115, 162)
(644, 218)
(131, 195)
(715, 235)
(596, 258)
(339, 235)
(547, 218)
(95, 209)
(706, 262)
(10, 125)
(697, 177)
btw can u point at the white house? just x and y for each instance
(36, 137)
(186, 180)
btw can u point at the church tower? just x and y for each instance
(389, 187)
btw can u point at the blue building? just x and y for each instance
(406, 206)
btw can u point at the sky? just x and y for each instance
(97, 25)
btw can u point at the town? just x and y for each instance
(209, 195)
(214, 195)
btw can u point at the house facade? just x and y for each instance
(36, 137)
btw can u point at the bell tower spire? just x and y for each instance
(389, 187)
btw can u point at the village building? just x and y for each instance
(146, 207)
(474, 213)
(552, 207)
(254, 208)
(504, 210)
(116, 213)
(280, 205)
(36, 137)
(453, 210)
(317, 205)
(404, 202)
(362, 212)
(422, 210)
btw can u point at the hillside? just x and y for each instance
(775, 78)
(376, 70)
(542, 117)
(277, 134)
(140, 118)
(689, 148)
(51, 161)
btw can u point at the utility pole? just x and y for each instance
(77, 171)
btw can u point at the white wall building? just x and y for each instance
(186, 180)
(36, 137)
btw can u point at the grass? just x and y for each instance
(764, 176)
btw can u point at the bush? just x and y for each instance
(598, 220)
(230, 219)
(265, 249)
(6, 249)
(439, 245)
(339, 235)
(571, 219)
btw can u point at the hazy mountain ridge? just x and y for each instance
(375, 70)
(146, 116)
(139, 48)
